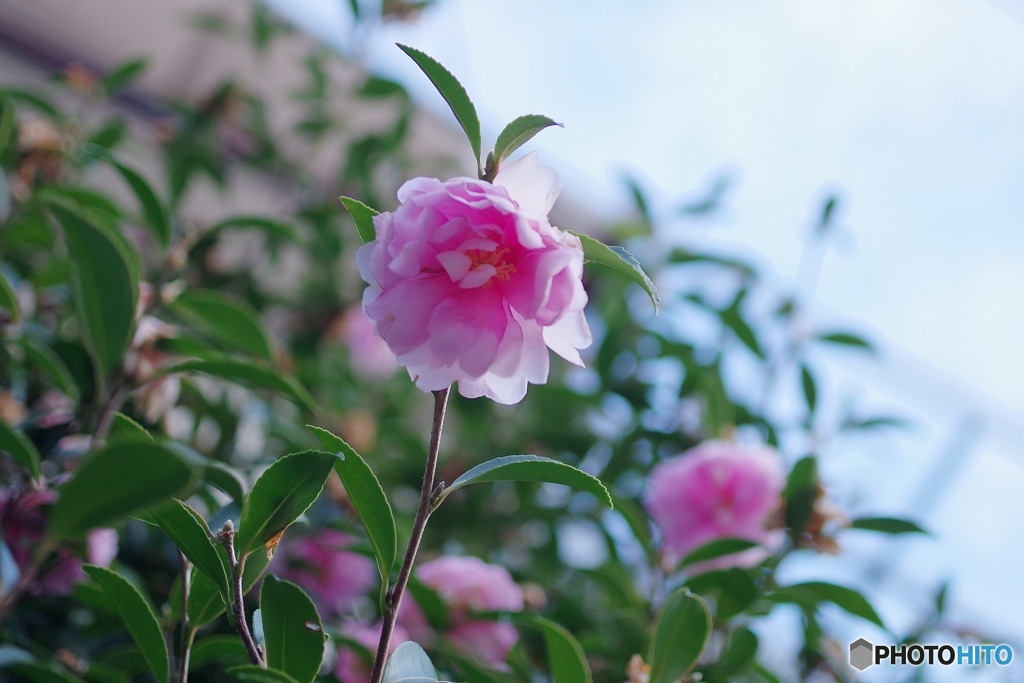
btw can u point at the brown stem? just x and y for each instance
(187, 633)
(227, 537)
(106, 420)
(418, 526)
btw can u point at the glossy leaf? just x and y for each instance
(115, 481)
(220, 649)
(409, 664)
(24, 452)
(368, 498)
(227, 480)
(250, 673)
(122, 75)
(106, 288)
(887, 525)
(800, 494)
(204, 599)
(50, 364)
(531, 468)
(717, 548)
(741, 652)
(681, 634)
(517, 133)
(453, 93)
(8, 300)
(227, 318)
(188, 531)
(362, 215)
(23, 663)
(566, 660)
(272, 227)
(249, 374)
(282, 493)
(153, 210)
(293, 633)
(810, 389)
(847, 339)
(138, 616)
(814, 592)
(126, 429)
(622, 262)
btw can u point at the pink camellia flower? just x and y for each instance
(350, 667)
(469, 282)
(333, 576)
(368, 353)
(468, 584)
(716, 490)
(101, 546)
(23, 524)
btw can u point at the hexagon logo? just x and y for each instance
(861, 654)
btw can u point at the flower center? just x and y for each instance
(503, 269)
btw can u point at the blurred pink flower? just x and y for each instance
(23, 522)
(369, 354)
(333, 576)
(468, 584)
(469, 282)
(350, 667)
(716, 490)
(101, 546)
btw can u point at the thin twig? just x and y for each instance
(227, 537)
(418, 526)
(186, 631)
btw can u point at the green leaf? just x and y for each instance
(109, 134)
(227, 480)
(293, 633)
(272, 227)
(800, 494)
(49, 363)
(518, 133)
(138, 615)
(6, 123)
(887, 525)
(531, 468)
(250, 673)
(219, 649)
(204, 599)
(123, 74)
(732, 319)
(247, 373)
(227, 318)
(368, 498)
(8, 299)
(115, 481)
(33, 100)
(622, 262)
(409, 664)
(717, 548)
(430, 603)
(126, 429)
(735, 590)
(25, 664)
(681, 634)
(566, 660)
(153, 210)
(282, 493)
(363, 217)
(742, 650)
(847, 339)
(453, 93)
(106, 288)
(810, 390)
(188, 530)
(24, 452)
(814, 592)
